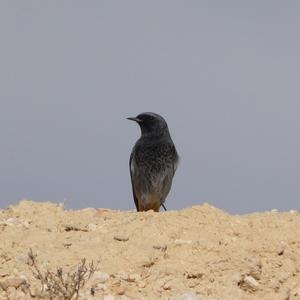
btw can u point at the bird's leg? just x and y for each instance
(139, 208)
(163, 206)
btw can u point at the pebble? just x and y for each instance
(194, 275)
(116, 282)
(12, 222)
(248, 283)
(109, 297)
(119, 290)
(99, 277)
(121, 275)
(192, 284)
(61, 205)
(36, 291)
(255, 267)
(183, 242)
(280, 250)
(134, 277)
(167, 286)
(17, 222)
(3, 274)
(23, 258)
(142, 284)
(160, 247)
(92, 227)
(15, 282)
(251, 282)
(147, 263)
(26, 224)
(121, 238)
(187, 296)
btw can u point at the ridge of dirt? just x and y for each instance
(199, 250)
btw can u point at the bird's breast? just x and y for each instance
(153, 158)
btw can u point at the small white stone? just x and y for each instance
(26, 224)
(61, 205)
(3, 274)
(100, 277)
(142, 284)
(92, 227)
(187, 296)
(250, 283)
(293, 211)
(109, 297)
(167, 286)
(12, 222)
(23, 258)
(182, 242)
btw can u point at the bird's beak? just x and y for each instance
(134, 119)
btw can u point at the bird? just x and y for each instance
(153, 162)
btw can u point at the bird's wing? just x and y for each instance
(177, 160)
(131, 168)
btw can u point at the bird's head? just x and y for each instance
(151, 124)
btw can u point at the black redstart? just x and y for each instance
(152, 163)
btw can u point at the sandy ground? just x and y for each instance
(197, 253)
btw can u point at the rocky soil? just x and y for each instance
(197, 253)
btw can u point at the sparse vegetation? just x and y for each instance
(60, 284)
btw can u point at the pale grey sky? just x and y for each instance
(224, 74)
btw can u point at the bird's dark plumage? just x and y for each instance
(152, 163)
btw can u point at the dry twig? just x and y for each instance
(59, 284)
